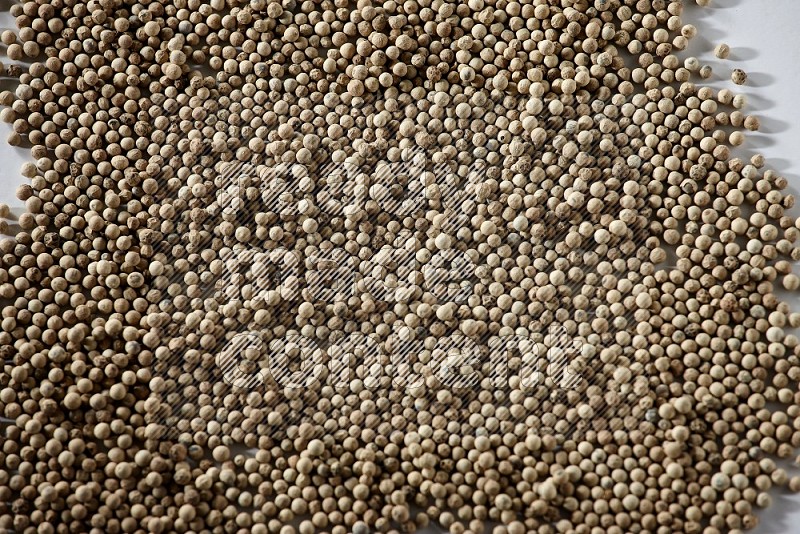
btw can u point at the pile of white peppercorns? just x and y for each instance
(588, 185)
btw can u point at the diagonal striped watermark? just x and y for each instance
(243, 352)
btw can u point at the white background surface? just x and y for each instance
(765, 41)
